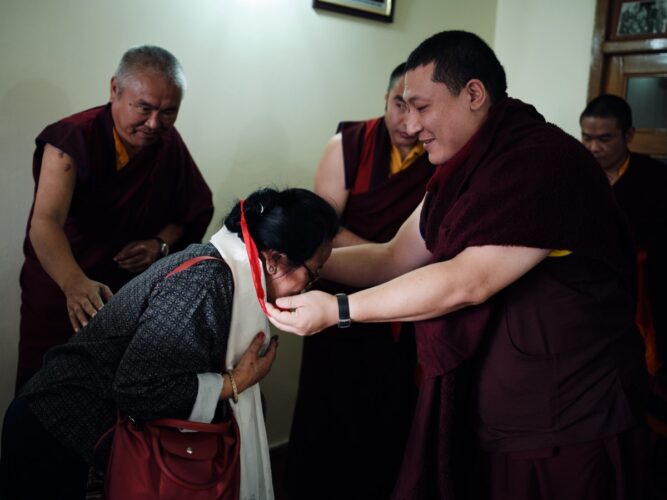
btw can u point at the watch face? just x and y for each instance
(164, 249)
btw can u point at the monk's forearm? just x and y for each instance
(470, 278)
(360, 265)
(433, 290)
(53, 251)
(346, 238)
(425, 293)
(374, 263)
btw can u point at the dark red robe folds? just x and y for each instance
(161, 185)
(640, 192)
(552, 360)
(356, 389)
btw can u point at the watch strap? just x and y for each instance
(344, 320)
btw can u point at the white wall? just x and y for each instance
(545, 47)
(268, 82)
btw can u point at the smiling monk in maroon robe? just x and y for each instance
(115, 189)
(518, 270)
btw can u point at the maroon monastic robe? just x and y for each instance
(552, 360)
(640, 192)
(356, 389)
(161, 185)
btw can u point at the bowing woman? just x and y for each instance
(172, 343)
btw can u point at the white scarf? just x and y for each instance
(247, 320)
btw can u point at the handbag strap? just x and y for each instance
(189, 263)
(106, 433)
(189, 424)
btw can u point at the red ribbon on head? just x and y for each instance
(253, 258)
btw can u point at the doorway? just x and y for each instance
(629, 59)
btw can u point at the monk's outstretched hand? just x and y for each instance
(304, 314)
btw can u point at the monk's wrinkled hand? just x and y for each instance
(137, 256)
(253, 366)
(85, 298)
(304, 314)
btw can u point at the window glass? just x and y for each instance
(647, 96)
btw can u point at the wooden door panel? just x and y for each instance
(619, 69)
(617, 57)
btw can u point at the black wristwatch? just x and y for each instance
(344, 320)
(164, 247)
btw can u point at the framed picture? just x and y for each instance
(380, 10)
(642, 17)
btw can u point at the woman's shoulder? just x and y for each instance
(190, 257)
(197, 267)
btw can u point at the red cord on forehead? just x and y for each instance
(253, 258)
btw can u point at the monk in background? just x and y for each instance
(374, 173)
(115, 190)
(639, 183)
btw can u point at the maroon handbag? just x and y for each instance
(155, 460)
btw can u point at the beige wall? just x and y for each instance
(545, 47)
(268, 81)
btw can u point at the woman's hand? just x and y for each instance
(252, 367)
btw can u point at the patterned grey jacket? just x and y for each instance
(141, 353)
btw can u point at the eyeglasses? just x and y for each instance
(313, 276)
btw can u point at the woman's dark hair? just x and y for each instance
(294, 221)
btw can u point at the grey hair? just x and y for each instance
(150, 57)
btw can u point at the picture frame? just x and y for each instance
(378, 10)
(641, 18)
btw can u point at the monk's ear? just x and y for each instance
(476, 92)
(113, 90)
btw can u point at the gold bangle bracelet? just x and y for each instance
(235, 390)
